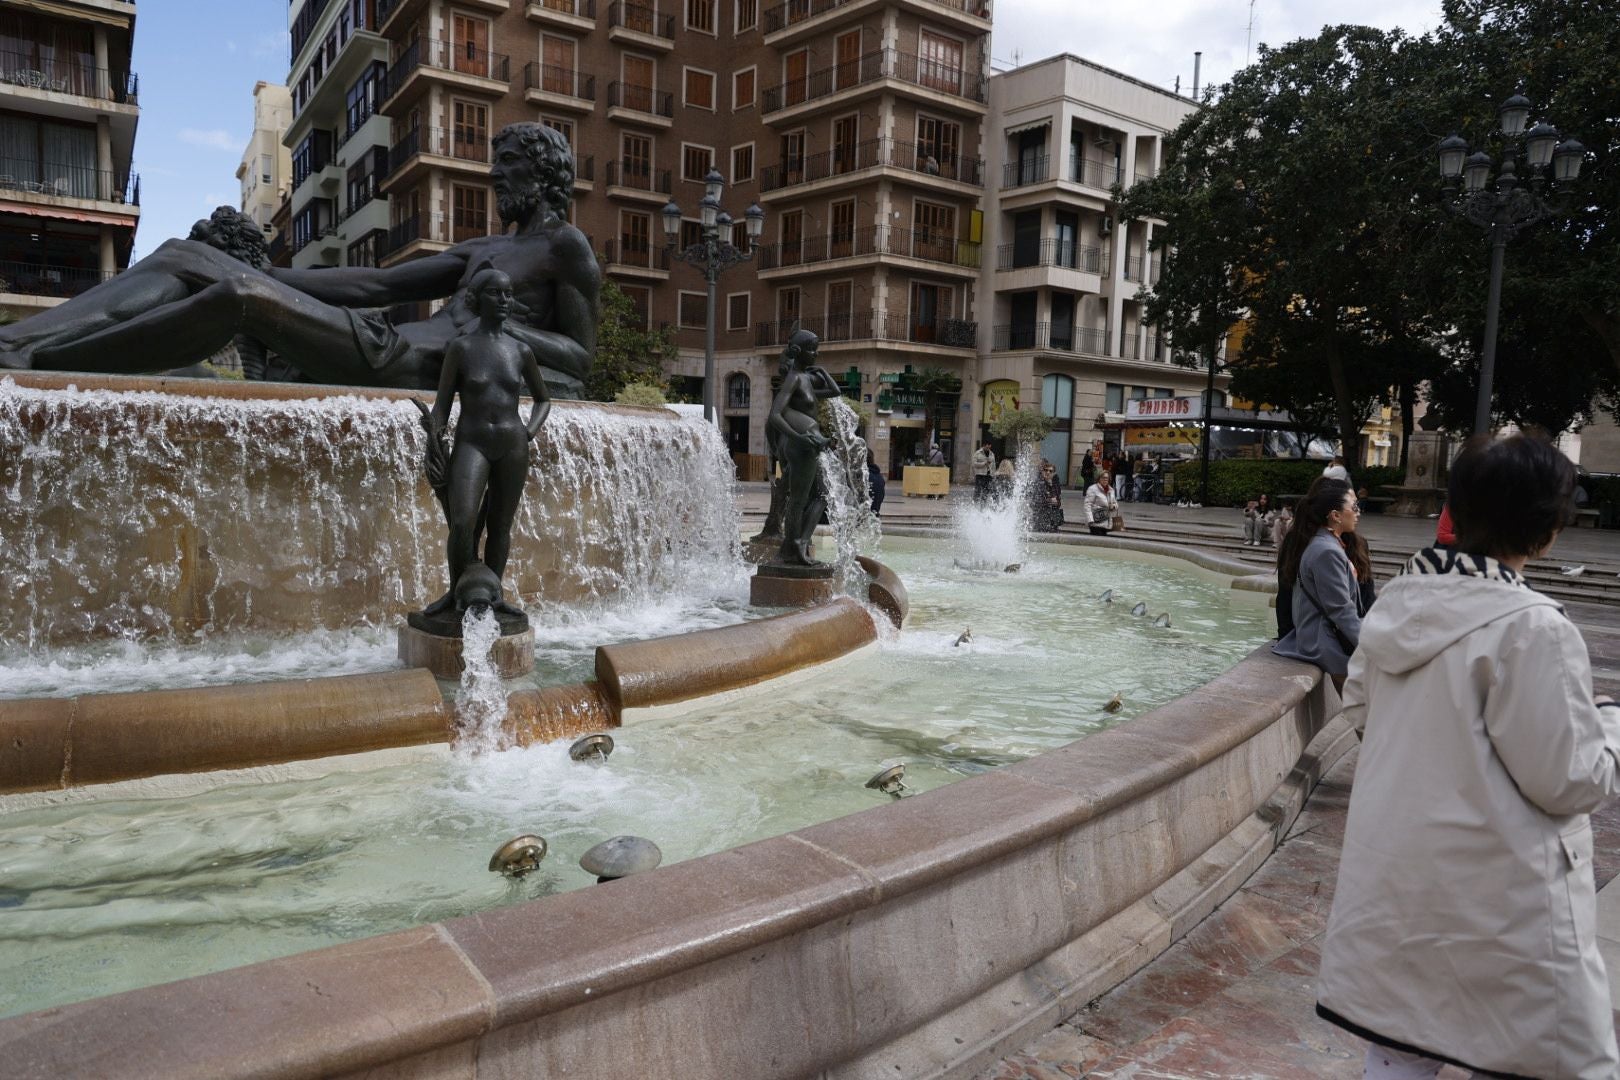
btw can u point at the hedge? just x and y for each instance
(1233, 483)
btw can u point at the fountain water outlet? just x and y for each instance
(889, 781)
(620, 857)
(592, 748)
(1140, 609)
(519, 856)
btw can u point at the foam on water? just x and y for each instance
(856, 530)
(994, 534)
(481, 698)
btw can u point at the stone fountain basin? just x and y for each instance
(914, 939)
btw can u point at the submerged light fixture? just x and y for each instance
(890, 780)
(592, 748)
(518, 856)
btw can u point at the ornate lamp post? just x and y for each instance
(713, 254)
(1513, 206)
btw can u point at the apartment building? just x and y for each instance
(856, 125)
(266, 169)
(69, 106)
(1061, 296)
(338, 139)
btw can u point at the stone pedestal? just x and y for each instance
(788, 585)
(1427, 465)
(513, 654)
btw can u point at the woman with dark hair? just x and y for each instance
(1464, 921)
(1313, 566)
(1356, 550)
(1046, 499)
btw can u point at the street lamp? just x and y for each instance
(1512, 207)
(712, 254)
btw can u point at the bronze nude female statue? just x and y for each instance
(796, 443)
(482, 483)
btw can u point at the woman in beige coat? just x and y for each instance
(1464, 920)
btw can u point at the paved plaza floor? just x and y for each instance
(1236, 997)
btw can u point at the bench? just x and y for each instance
(1375, 503)
(1587, 519)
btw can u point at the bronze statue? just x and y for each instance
(481, 484)
(192, 297)
(796, 443)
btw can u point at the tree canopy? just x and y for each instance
(626, 350)
(1305, 200)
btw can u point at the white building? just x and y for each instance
(266, 170)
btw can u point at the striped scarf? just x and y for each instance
(1446, 560)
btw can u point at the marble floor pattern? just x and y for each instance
(1236, 996)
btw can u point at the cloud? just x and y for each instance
(274, 44)
(213, 139)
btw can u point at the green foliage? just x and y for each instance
(224, 372)
(1233, 483)
(625, 352)
(1023, 425)
(638, 393)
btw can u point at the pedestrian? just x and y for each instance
(1006, 474)
(936, 456)
(1281, 524)
(984, 467)
(1257, 520)
(1046, 499)
(1336, 471)
(1101, 507)
(1463, 926)
(1122, 475)
(1313, 564)
(1088, 471)
(875, 481)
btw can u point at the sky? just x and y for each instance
(198, 61)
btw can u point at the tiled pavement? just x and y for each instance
(1236, 997)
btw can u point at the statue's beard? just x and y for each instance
(518, 207)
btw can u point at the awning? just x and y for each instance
(73, 11)
(94, 217)
(1017, 129)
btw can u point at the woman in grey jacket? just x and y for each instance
(1313, 565)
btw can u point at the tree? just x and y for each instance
(1290, 201)
(932, 382)
(626, 351)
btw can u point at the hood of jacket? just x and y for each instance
(1418, 616)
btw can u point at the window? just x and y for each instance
(795, 77)
(747, 14)
(938, 144)
(363, 252)
(470, 37)
(934, 232)
(1161, 392)
(700, 15)
(939, 63)
(793, 157)
(840, 310)
(636, 235)
(1138, 393)
(787, 307)
(742, 163)
(265, 165)
(737, 314)
(841, 233)
(564, 126)
(363, 96)
(696, 161)
(847, 60)
(1114, 397)
(363, 177)
(557, 73)
(699, 88)
(636, 161)
(930, 306)
(691, 233)
(470, 212)
(694, 310)
(845, 138)
(641, 300)
(314, 153)
(739, 389)
(792, 237)
(471, 131)
(742, 88)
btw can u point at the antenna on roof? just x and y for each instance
(1248, 38)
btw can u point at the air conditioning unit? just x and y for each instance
(1105, 226)
(1103, 140)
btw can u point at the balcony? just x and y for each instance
(576, 15)
(565, 88)
(798, 19)
(1043, 337)
(636, 24)
(1064, 254)
(584, 174)
(1093, 173)
(637, 259)
(640, 104)
(864, 326)
(393, 15)
(44, 182)
(458, 150)
(637, 180)
(28, 71)
(1027, 171)
(875, 241)
(893, 69)
(50, 283)
(414, 235)
(873, 153)
(461, 67)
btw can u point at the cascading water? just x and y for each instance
(849, 495)
(994, 534)
(481, 699)
(172, 518)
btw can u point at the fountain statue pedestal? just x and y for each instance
(425, 641)
(790, 585)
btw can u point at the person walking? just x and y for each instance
(875, 481)
(1006, 477)
(1088, 471)
(1122, 474)
(984, 467)
(1312, 563)
(1101, 507)
(1463, 926)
